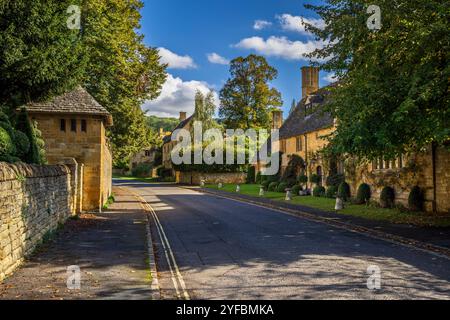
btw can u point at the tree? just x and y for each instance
(167, 124)
(205, 109)
(393, 96)
(122, 72)
(40, 56)
(246, 100)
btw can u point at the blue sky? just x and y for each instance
(198, 37)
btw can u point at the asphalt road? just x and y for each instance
(231, 250)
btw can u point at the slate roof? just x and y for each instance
(308, 116)
(78, 101)
(181, 125)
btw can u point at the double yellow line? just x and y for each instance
(177, 278)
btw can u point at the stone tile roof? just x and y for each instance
(308, 116)
(78, 101)
(181, 125)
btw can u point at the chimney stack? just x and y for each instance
(310, 80)
(183, 116)
(277, 119)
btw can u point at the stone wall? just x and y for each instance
(34, 200)
(194, 178)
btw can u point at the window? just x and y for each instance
(147, 153)
(73, 125)
(83, 125)
(299, 144)
(63, 125)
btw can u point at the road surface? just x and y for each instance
(209, 247)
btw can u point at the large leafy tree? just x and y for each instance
(122, 72)
(246, 100)
(39, 55)
(393, 96)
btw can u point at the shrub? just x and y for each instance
(315, 179)
(302, 179)
(265, 185)
(319, 191)
(331, 192)
(296, 190)
(282, 187)
(335, 180)
(142, 170)
(22, 143)
(273, 186)
(291, 182)
(6, 143)
(387, 197)
(344, 191)
(416, 199)
(251, 175)
(259, 178)
(364, 194)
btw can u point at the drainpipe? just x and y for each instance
(433, 160)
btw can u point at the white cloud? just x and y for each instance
(280, 47)
(331, 77)
(175, 61)
(297, 24)
(261, 24)
(217, 59)
(177, 95)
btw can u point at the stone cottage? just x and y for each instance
(304, 134)
(74, 126)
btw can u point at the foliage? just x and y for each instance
(387, 197)
(296, 190)
(6, 143)
(259, 177)
(163, 172)
(265, 184)
(302, 179)
(315, 179)
(122, 72)
(295, 165)
(205, 110)
(246, 100)
(319, 191)
(251, 175)
(142, 170)
(331, 192)
(22, 143)
(156, 123)
(335, 180)
(364, 194)
(282, 187)
(40, 56)
(416, 199)
(393, 93)
(344, 192)
(273, 186)
(36, 151)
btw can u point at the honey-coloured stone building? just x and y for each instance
(74, 126)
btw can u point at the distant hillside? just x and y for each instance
(168, 124)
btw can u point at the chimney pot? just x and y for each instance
(277, 119)
(310, 80)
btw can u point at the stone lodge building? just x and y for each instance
(74, 127)
(303, 133)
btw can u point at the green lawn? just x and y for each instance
(135, 178)
(369, 212)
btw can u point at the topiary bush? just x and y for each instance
(296, 190)
(265, 185)
(335, 180)
(315, 179)
(273, 186)
(364, 194)
(344, 191)
(416, 199)
(387, 197)
(6, 143)
(251, 175)
(259, 178)
(302, 179)
(319, 191)
(22, 143)
(142, 170)
(282, 187)
(331, 192)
